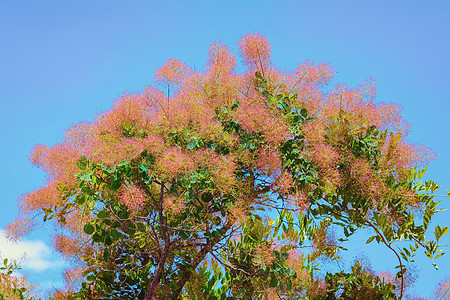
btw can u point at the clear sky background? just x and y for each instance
(63, 62)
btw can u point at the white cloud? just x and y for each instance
(38, 256)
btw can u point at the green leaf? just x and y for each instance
(288, 283)
(371, 239)
(86, 177)
(273, 280)
(123, 163)
(439, 255)
(184, 234)
(235, 105)
(115, 235)
(403, 255)
(105, 255)
(407, 252)
(108, 240)
(88, 229)
(192, 144)
(115, 185)
(207, 197)
(82, 163)
(143, 167)
(290, 272)
(102, 214)
(80, 199)
(304, 112)
(85, 190)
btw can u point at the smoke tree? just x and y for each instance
(13, 286)
(235, 185)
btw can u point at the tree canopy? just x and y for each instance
(235, 183)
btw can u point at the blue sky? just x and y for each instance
(62, 62)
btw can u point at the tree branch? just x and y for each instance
(164, 254)
(393, 250)
(199, 258)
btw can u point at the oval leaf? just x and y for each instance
(89, 229)
(273, 280)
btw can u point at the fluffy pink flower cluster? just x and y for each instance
(174, 162)
(172, 71)
(255, 49)
(132, 196)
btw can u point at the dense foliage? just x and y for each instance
(235, 185)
